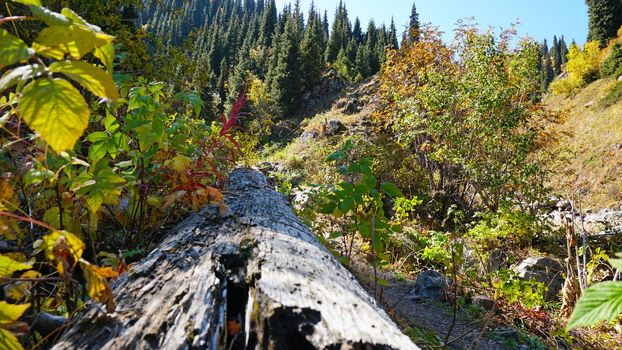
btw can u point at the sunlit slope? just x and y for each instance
(591, 145)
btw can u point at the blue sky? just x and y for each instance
(539, 19)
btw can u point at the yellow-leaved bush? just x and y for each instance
(582, 67)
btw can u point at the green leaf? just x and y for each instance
(600, 302)
(346, 205)
(92, 78)
(370, 181)
(8, 266)
(50, 17)
(56, 110)
(12, 49)
(391, 190)
(19, 74)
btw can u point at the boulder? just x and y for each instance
(543, 269)
(309, 136)
(352, 106)
(430, 285)
(483, 301)
(334, 127)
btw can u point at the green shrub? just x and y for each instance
(612, 66)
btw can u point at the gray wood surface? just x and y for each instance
(254, 263)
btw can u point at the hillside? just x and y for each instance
(591, 145)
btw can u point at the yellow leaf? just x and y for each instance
(97, 286)
(6, 192)
(97, 81)
(180, 163)
(8, 266)
(63, 248)
(19, 290)
(9, 341)
(56, 110)
(11, 312)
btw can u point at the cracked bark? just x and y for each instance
(257, 265)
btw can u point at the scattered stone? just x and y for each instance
(430, 285)
(564, 205)
(484, 302)
(620, 78)
(334, 127)
(589, 104)
(309, 136)
(352, 107)
(543, 269)
(508, 333)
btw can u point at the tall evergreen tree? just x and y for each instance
(357, 31)
(411, 34)
(268, 24)
(340, 34)
(556, 55)
(563, 49)
(605, 18)
(285, 78)
(393, 35)
(311, 54)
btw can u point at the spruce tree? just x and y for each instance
(286, 81)
(414, 27)
(393, 35)
(357, 31)
(605, 18)
(563, 49)
(340, 35)
(268, 24)
(311, 54)
(557, 56)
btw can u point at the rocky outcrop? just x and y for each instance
(544, 269)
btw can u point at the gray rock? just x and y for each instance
(564, 205)
(543, 269)
(484, 302)
(334, 127)
(620, 78)
(352, 107)
(309, 136)
(430, 285)
(508, 333)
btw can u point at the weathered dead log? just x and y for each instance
(255, 266)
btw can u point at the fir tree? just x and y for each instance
(605, 18)
(414, 27)
(268, 24)
(285, 81)
(556, 56)
(563, 49)
(311, 54)
(357, 31)
(393, 35)
(340, 34)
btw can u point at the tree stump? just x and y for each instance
(248, 277)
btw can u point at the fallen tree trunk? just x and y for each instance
(249, 277)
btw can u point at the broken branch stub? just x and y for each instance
(253, 278)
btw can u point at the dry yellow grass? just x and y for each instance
(591, 146)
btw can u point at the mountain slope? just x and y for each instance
(591, 144)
